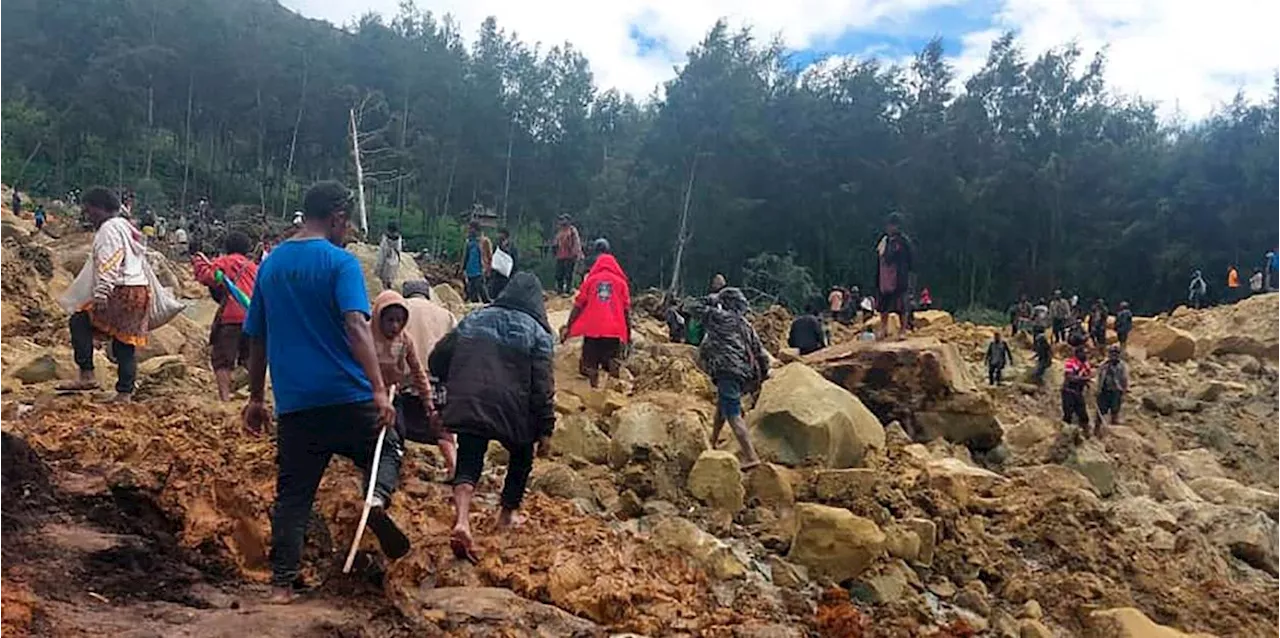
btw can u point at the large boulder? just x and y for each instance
(448, 296)
(833, 542)
(1165, 485)
(959, 479)
(1031, 438)
(561, 481)
(1224, 491)
(716, 480)
(921, 382)
(1145, 518)
(1091, 460)
(1246, 533)
(1246, 344)
(1194, 463)
(706, 551)
(1163, 341)
(577, 435)
(655, 447)
(802, 418)
(931, 318)
(485, 611)
(1167, 404)
(38, 369)
(367, 254)
(770, 485)
(1127, 622)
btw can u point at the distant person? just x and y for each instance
(181, 242)
(1098, 314)
(1044, 356)
(117, 304)
(1272, 274)
(16, 203)
(718, 283)
(39, 217)
(309, 321)
(926, 299)
(477, 259)
(568, 254)
(1233, 283)
(498, 277)
(429, 322)
(297, 218)
(1255, 281)
(498, 368)
(1113, 384)
(1040, 315)
(601, 315)
(807, 334)
(849, 307)
(1124, 323)
(1022, 315)
(1197, 290)
(998, 356)
(1059, 315)
(677, 326)
(387, 263)
(732, 355)
(228, 347)
(894, 264)
(1076, 377)
(835, 301)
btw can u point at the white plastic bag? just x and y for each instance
(164, 305)
(80, 293)
(502, 262)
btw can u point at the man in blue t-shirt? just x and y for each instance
(309, 322)
(477, 257)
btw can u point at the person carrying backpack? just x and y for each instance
(228, 347)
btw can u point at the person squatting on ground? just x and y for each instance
(228, 347)
(477, 260)
(309, 322)
(115, 304)
(1113, 384)
(807, 334)
(732, 355)
(1076, 377)
(387, 264)
(418, 415)
(497, 365)
(1044, 356)
(894, 262)
(998, 356)
(568, 254)
(601, 315)
(1124, 323)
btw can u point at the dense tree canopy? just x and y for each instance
(1031, 175)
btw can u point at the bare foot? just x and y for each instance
(461, 544)
(281, 595)
(510, 519)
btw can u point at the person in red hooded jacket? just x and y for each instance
(227, 346)
(601, 314)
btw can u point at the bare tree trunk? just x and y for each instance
(149, 140)
(186, 141)
(683, 237)
(404, 133)
(355, 154)
(30, 157)
(506, 184)
(293, 142)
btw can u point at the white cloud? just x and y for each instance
(1189, 56)
(601, 29)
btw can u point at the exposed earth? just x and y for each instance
(902, 496)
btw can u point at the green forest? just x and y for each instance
(1029, 175)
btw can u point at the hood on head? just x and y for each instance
(385, 299)
(524, 293)
(420, 287)
(606, 263)
(733, 300)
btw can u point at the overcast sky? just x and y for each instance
(1189, 55)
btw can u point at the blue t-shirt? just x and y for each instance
(473, 268)
(298, 304)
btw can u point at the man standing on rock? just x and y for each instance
(732, 355)
(998, 356)
(1076, 377)
(1113, 384)
(228, 347)
(1059, 312)
(894, 262)
(111, 296)
(1124, 324)
(601, 315)
(309, 321)
(1044, 356)
(498, 367)
(568, 254)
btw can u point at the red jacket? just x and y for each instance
(237, 268)
(603, 301)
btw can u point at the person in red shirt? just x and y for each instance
(568, 253)
(601, 314)
(1077, 374)
(227, 346)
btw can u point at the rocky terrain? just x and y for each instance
(901, 496)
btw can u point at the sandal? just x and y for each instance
(460, 543)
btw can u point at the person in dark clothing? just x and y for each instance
(998, 356)
(1098, 323)
(309, 321)
(677, 326)
(1076, 377)
(39, 217)
(498, 370)
(1076, 336)
(732, 355)
(806, 333)
(1044, 356)
(1113, 384)
(1059, 315)
(1022, 313)
(1124, 323)
(895, 260)
(498, 280)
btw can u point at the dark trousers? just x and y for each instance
(476, 290)
(496, 283)
(471, 451)
(1042, 365)
(1073, 408)
(82, 346)
(305, 442)
(1109, 403)
(1059, 330)
(995, 374)
(564, 275)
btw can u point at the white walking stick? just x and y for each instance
(368, 496)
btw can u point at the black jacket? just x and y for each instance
(497, 368)
(806, 334)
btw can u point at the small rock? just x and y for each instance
(833, 542)
(1168, 405)
(1166, 486)
(561, 481)
(1033, 628)
(886, 584)
(716, 480)
(785, 574)
(39, 369)
(974, 598)
(927, 532)
(569, 403)
(577, 435)
(844, 486)
(1096, 465)
(1031, 609)
(711, 553)
(895, 434)
(1127, 622)
(770, 485)
(1208, 391)
(1225, 491)
(1194, 463)
(942, 588)
(171, 366)
(902, 542)
(630, 505)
